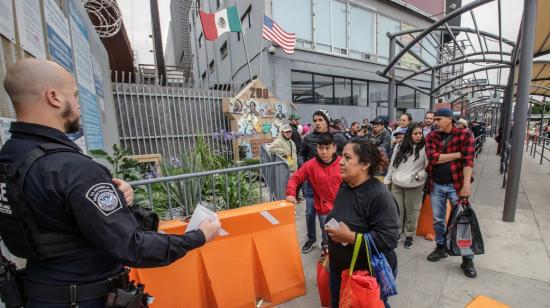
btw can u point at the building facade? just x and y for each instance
(178, 49)
(341, 44)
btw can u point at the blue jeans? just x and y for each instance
(310, 213)
(439, 196)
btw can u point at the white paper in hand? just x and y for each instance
(201, 213)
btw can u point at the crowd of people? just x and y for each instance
(372, 177)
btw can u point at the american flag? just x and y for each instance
(274, 33)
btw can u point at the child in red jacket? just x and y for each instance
(323, 174)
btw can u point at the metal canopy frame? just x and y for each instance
(459, 55)
(519, 62)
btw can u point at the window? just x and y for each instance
(294, 16)
(223, 50)
(302, 87)
(339, 26)
(429, 53)
(360, 93)
(385, 25)
(362, 29)
(342, 92)
(218, 2)
(323, 89)
(408, 60)
(204, 75)
(246, 23)
(201, 36)
(423, 100)
(322, 27)
(310, 88)
(211, 67)
(197, 7)
(378, 93)
(405, 97)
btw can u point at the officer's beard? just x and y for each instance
(71, 126)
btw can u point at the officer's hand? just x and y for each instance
(126, 189)
(291, 199)
(210, 228)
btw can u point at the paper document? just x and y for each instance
(201, 213)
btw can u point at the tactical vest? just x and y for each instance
(18, 227)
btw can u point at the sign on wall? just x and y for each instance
(7, 25)
(85, 78)
(256, 117)
(29, 25)
(59, 36)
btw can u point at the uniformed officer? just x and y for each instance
(70, 194)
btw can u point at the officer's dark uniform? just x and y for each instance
(68, 192)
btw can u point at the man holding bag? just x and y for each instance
(450, 152)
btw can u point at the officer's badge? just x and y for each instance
(105, 198)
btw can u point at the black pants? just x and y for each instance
(94, 303)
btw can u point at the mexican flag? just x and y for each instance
(216, 24)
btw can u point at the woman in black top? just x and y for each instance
(362, 205)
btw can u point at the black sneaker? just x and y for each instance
(437, 254)
(307, 246)
(408, 242)
(468, 268)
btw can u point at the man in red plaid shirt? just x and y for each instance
(450, 152)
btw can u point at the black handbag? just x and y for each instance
(463, 236)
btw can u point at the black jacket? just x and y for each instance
(296, 138)
(68, 192)
(369, 207)
(309, 145)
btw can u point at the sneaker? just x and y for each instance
(437, 254)
(468, 268)
(408, 242)
(307, 246)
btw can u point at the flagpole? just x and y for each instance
(244, 44)
(261, 49)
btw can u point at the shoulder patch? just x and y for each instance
(105, 198)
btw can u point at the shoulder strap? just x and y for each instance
(22, 166)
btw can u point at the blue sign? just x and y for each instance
(90, 119)
(59, 50)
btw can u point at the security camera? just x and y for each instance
(271, 50)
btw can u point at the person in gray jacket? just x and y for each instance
(285, 147)
(407, 175)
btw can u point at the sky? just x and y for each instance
(136, 16)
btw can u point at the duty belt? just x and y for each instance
(75, 293)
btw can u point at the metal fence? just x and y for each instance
(276, 179)
(167, 119)
(539, 146)
(177, 196)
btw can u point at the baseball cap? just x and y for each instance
(444, 112)
(294, 116)
(379, 120)
(286, 128)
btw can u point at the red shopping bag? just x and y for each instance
(359, 289)
(323, 280)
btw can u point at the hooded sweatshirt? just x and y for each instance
(287, 149)
(325, 179)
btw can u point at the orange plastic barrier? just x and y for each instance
(425, 224)
(257, 260)
(483, 301)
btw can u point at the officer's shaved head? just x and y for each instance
(28, 79)
(43, 92)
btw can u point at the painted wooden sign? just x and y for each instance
(256, 117)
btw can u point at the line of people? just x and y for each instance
(372, 179)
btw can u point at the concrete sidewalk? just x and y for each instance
(515, 268)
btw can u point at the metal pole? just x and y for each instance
(432, 96)
(157, 41)
(542, 119)
(246, 52)
(391, 84)
(196, 47)
(524, 82)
